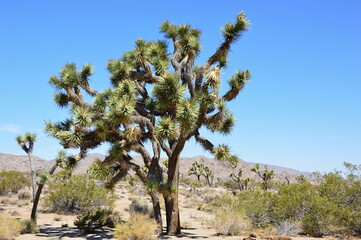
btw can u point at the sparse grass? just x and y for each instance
(9, 228)
(14, 213)
(139, 206)
(186, 224)
(28, 226)
(288, 228)
(24, 195)
(138, 227)
(228, 222)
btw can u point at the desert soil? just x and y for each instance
(52, 226)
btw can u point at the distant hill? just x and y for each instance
(220, 169)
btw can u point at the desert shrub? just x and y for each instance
(12, 182)
(138, 227)
(24, 195)
(291, 202)
(97, 218)
(228, 222)
(76, 195)
(257, 206)
(138, 206)
(288, 228)
(9, 228)
(28, 226)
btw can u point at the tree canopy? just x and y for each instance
(158, 97)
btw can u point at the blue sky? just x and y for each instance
(300, 110)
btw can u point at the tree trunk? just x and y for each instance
(172, 214)
(35, 202)
(37, 196)
(33, 174)
(157, 211)
(171, 198)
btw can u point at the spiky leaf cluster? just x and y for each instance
(168, 92)
(184, 35)
(232, 32)
(167, 128)
(187, 113)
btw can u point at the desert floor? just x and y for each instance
(55, 226)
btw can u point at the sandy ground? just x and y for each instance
(55, 226)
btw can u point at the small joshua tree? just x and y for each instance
(61, 161)
(196, 169)
(266, 175)
(199, 169)
(156, 96)
(208, 174)
(26, 142)
(242, 183)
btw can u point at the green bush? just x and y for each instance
(291, 202)
(76, 195)
(12, 182)
(97, 218)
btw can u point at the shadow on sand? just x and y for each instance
(72, 232)
(186, 234)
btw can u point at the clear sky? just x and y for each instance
(300, 110)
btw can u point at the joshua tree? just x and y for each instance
(266, 175)
(196, 169)
(242, 183)
(27, 144)
(61, 161)
(180, 103)
(208, 174)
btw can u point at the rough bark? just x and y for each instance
(33, 216)
(157, 211)
(33, 174)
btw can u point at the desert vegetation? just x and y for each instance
(157, 102)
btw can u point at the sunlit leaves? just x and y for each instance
(166, 128)
(233, 31)
(187, 115)
(119, 71)
(82, 115)
(168, 92)
(236, 83)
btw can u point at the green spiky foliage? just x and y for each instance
(197, 169)
(266, 175)
(208, 174)
(242, 182)
(159, 96)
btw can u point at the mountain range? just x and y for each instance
(221, 170)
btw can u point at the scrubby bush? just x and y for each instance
(24, 195)
(9, 228)
(332, 206)
(228, 222)
(138, 227)
(97, 218)
(12, 182)
(76, 195)
(28, 226)
(137, 206)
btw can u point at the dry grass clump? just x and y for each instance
(138, 227)
(24, 195)
(9, 228)
(228, 222)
